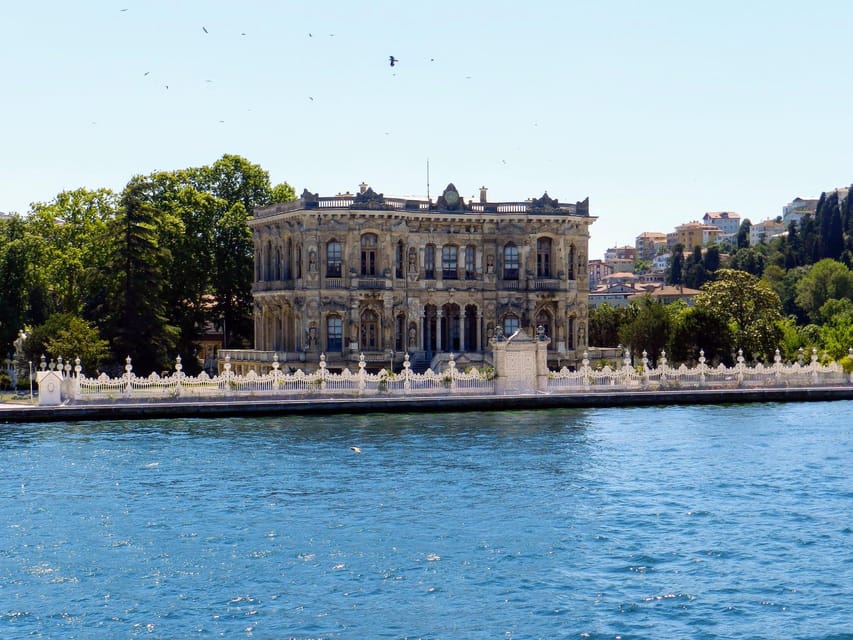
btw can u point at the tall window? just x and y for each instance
(470, 262)
(334, 334)
(510, 262)
(333, 259)
(399, 259)
(429, 262)
(298, 261)
(449, 262)
(511, 325)
(368, 254)
(571, 264)
(543, 257)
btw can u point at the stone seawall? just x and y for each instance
(17, 414)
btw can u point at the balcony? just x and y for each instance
(545, 284)
(368, 282)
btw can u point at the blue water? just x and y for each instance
(682, 522)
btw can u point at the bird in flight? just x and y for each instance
(392, 60)
(356, 449)
(204, 29)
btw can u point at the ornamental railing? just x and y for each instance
(322, 382)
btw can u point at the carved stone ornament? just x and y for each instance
(310, 198)
(369, 200)
(545, 203)
(449, 200)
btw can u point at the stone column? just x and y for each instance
(438, 315)
(479, 345)
(461, 322)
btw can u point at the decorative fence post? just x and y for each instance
(702, 367)
(814, 366)
(179, 374)
(739, 367)
(627, 370)
(777, 367)
(407, 385)
(451, 368)
(276, 372)
(662, 366)
(322, 372)
(586, 371)
(128, 372)
(77, 371)
(645, 380)
(226, 375)
(362, 383)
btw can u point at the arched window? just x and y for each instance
(543, 257)
(334, 334)
(470, 262)
(268, 258)
(368, 254)
(571, 264)
(450, 262)
(511, 324)
(429, 262)
(510, 261)
(298, 261)
(333, 259)
(399, 259)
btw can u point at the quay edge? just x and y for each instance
(12, 414)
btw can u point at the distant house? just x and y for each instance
(615, 295)
(762, 231)
(728, 222)
(697, 234)
(648, 243)
(797, 208)
(597, 270)
(667, 294)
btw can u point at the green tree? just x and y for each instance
(133, 317)
(836, 333)
(696, 329)
(71, 230)
(234, 259)
(824, 280)
(68, 336)
(604, 324)
(20, 293)
(675, 273)
(649, 329)
(743, 234)
(749, 306)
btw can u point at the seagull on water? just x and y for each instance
(355, 449)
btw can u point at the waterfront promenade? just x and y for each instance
(20, 412)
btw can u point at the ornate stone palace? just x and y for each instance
(380, 276)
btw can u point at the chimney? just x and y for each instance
(483, 194)
(362, 187)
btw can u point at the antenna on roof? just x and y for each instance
(427, 179)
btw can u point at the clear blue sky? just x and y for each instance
(658, 111)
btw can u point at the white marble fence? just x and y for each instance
(78, 388)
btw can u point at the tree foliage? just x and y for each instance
(823, 281)
(749, 306)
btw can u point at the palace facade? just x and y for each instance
(384, 277)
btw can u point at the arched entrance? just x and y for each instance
(450, 330)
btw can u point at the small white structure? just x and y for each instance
(50, 388)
